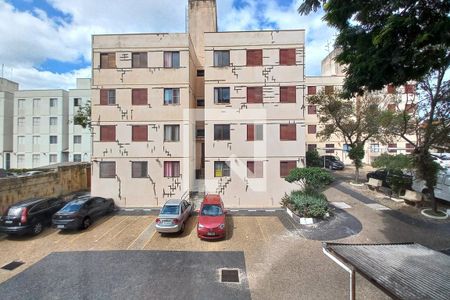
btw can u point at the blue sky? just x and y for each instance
(46, 43)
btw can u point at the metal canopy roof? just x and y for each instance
(404, 271)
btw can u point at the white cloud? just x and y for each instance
(30, 38)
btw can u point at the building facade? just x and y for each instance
(40, 134)
(79, 138)
(7, 89)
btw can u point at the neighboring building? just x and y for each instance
(79, 138)
(7, 89)
(40, 128)
(197, 112)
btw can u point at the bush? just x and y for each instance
(313, 159)
(313, 180)
(309, 205)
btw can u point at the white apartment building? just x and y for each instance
(40, 134)
(7, 89)
(80, 146)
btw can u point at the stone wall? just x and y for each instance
(60, 181)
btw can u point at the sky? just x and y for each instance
(47, 43)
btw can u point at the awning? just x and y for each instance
(403, 271)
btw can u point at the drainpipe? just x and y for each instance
(346, 268)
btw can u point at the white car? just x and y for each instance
(443, 159)
(442, 188)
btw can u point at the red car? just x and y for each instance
(211, 218)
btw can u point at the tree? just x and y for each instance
(313, 158)
(393, 162)
(313, 180)
(355, 121)
(83, 116)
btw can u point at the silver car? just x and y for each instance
(173, 216)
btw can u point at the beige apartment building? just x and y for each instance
(203, 111)
(7, 89)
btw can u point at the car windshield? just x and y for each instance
(333, 158)
(14, 211)
(71, 207)
(211, 210)
(170, 210)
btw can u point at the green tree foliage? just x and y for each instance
(313, 180)
(393, 162)
(354, 120)
(313, 159)
(83, 116)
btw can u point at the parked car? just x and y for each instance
(81, 212)
(388, 176)
(442, 188)
(30, 216)
(442, 159)
(173, 216)
(4, 173)
(30, 173)
(332, 162)
(211, 218)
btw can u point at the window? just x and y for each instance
(21, 122)
(53, 158)
(107, 97)
(312, 90)
(21, 140)
(222, 169)
(139, 60)
(171, 169)
(77, 139)
(200, 102)
(107, 60)
(200, 133)
(53, 102)
(107, 133)
(312, 147)
(255, 169)
(254, 132)
(392, 107)
(36, 121)
(390, 89)
(172, 59)
(222, 95)
(139, 133)
(221, 58)
(20, 160)
(287, 57)
(77, 157)
(171, 96)
(139, 97)
(36, 140)
(312, 109)
(392, 148)
(254, 57)
(36, 106)
(36, 159)
(76, 101)
(200, 73)
(171, 133)
(409, 147)
(410, 89)
(255, 94)
(107, 169)
(312, 129)
(375, 147)
(139, 169)
(329, 148)
(288, 94)
(21, 104)
(53, 121)
(222, 132)
(288, 132)
(286, 167)
(53, 139)
(329, 89)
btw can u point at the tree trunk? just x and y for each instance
(356, 174)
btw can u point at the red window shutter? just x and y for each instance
(288, 94)
(103, 97)
(312, 147)
(330, 148)
(254, 57)
(139, 97)
(312, 90)
(409, 147)
(250, 132)
(255, 169)
(312, 129)
(139, 133)
(312, 110)
(410, 89)
(254, 95)
(111, 60)
(250, 169)
(107, 133)
(288, 132)
(287, 57)
(286, 167)
(391, 89)
(392, 148)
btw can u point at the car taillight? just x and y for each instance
(175, 221)
(158, 220)
(23, 217)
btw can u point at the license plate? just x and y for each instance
(168, 222)
(60, 226)
(8, 222)
(211, 233)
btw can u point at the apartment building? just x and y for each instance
(79, 138)
(7, 89)
(331, 80)
(40, 135)
(203, 111)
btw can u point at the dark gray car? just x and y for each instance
(173, 216)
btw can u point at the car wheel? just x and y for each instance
(37, 228)
(86, 223)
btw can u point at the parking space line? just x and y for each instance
(112, 228)
(140, 242)
(260, 229)
(123, 229)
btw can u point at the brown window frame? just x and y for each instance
(255, 132)
(108, 97)
(139, 97)
(103, 128)
(139, 60)
(137, 136)
(288, 57)
(101, 171)
(286, 166)
(288, 94)
(312, 109)
(255, 94)
(329, 146)
(142, 172)
(312, 90)
(285, 134)
(254, 57)
(109, 59)
(312, 129)
(223, 136)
